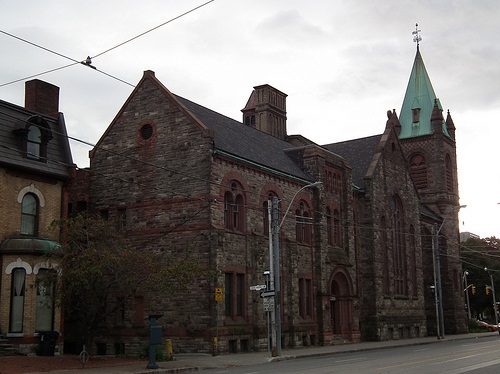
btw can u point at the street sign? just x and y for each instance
(218, 294)
(258, 287)
(268, 304)
(269, 293)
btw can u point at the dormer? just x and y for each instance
(34, 137)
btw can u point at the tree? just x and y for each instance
(478, 254)
(98, 265)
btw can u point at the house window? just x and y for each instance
(234, 208)
(303, 224)
(305, 298)
(29, 215)
(120, 311)
(337, 234)
(34, 138)
(17, 300)
(384, 247)
(44, 318)
(34, 142)
(449, 174)
(400, 286)
(329, 226)
(413, 259)
(122, 219)
(234, 294)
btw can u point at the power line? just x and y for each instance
(37, 75)
(88, 61)
(39, 46)
(154, 28)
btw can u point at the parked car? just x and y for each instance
(488, 326)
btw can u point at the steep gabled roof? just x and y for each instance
(359, 154)
(231, 138)
(14, 118)
(246, 143)
(419, 95)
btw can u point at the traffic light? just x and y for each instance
(473, 289)
(487, 289)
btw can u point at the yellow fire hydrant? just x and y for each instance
(168, 349)
(215, 347)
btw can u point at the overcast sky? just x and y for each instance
(343, 64)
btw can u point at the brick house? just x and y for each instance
(354, 252)
(35, 164)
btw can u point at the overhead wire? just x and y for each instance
(152, 29)
(219, 184)
(88, 62)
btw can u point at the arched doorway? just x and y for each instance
(341, 303)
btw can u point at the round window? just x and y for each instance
(146, 131)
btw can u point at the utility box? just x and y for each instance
(155, 338)
(155, 335)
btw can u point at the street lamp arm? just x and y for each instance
(446, 215)
(315, 184)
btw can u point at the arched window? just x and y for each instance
(329, 226)
(18, 288)
(418, 170)
(234, 208)
(34, 138)
(29, 215)
(413, 259)
(44, 318)
(34, 142)
(303, 224)
(399, 262)
(384, 247)
(337, 232)
(449, 174)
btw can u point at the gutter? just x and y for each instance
(261, 167)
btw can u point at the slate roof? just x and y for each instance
(359, 154)
(59, 160)
(247, 143)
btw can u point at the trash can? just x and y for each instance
(48, 341)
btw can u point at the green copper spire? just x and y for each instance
(415, 115)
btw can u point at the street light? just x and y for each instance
(466, 290)
(276, 262)
(437, 275)
(493, 292)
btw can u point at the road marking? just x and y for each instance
(473, 367)
(451, 357)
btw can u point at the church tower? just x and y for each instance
(428, 141)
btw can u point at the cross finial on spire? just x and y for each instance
(416, 35)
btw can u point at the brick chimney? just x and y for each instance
(42, 97)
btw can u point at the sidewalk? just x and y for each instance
(196, 362)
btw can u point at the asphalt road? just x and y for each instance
(479, 356)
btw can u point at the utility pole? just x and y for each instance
(494, 299)
(436, 296)
(277, 286)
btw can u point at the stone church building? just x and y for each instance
(356, 252)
